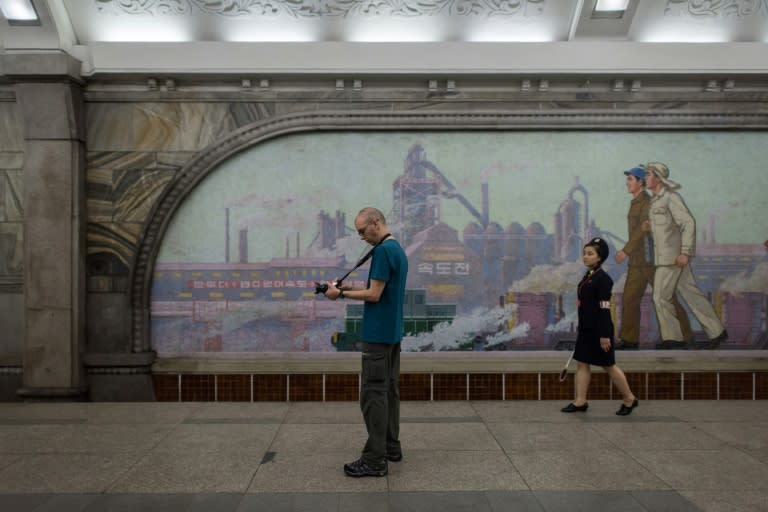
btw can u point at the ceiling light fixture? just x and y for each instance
(610, 9)
(19, 12)
(611, 5)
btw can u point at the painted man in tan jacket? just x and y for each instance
(674, 236)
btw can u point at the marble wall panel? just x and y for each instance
(99, 194)
(286, 108)
(248, 113)
(11, 135)
(11, 248)
(157, 126)
(107, 328)
(51, 111)
(99, 210)
(120, 160)
(173, 160)
(50, 283)
(47, 364)
(3, 187)
(357, 105)
(12, 319)
(11, 193)
(48, 199)
(11, 159)
(120, 240)
(114, 178)
(135, 192)
(109, 127)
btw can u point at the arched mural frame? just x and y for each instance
(210, 157)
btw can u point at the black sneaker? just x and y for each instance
(360, 468)
(395, 457)
(627, 345)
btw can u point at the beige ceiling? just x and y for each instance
(477, 35)
(414, 20)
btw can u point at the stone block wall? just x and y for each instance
(11, 233)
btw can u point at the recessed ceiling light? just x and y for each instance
(19, 12)
(611, 5)
(609, 9)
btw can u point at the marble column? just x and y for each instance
(49, 94)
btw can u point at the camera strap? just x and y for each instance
(364, 258)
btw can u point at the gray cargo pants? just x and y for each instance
(380, 400)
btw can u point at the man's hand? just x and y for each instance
(620, 257)
(332, 292)
(645, 226)
(682, 260)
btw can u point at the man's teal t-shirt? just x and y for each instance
(383, 320)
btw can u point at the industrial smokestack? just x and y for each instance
(287, 248)
(485, 206)
(298, 245)
(243, 246)
(226, 235)
(341, 219)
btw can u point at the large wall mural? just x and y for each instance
(493, 225)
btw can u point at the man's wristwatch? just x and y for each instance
(341, 293)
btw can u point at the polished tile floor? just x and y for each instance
(479, 456)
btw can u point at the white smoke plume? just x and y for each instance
(463, 328)
(566, 324)
(519, 331)
(754, 282)
(557, 279)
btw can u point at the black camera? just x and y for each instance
(323, 287)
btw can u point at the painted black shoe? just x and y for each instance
(394, 457)
(360, 468)
(626, 411)
(672, 345)
(627, 345)
(575, 408)
(714, 343)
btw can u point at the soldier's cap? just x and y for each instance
(638, 172)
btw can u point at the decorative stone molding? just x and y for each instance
(12, 283)
(118, 370)
(721, 9)
(208, 159)
(34, 66)
(323, 8)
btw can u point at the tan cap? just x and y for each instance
(662, 172)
